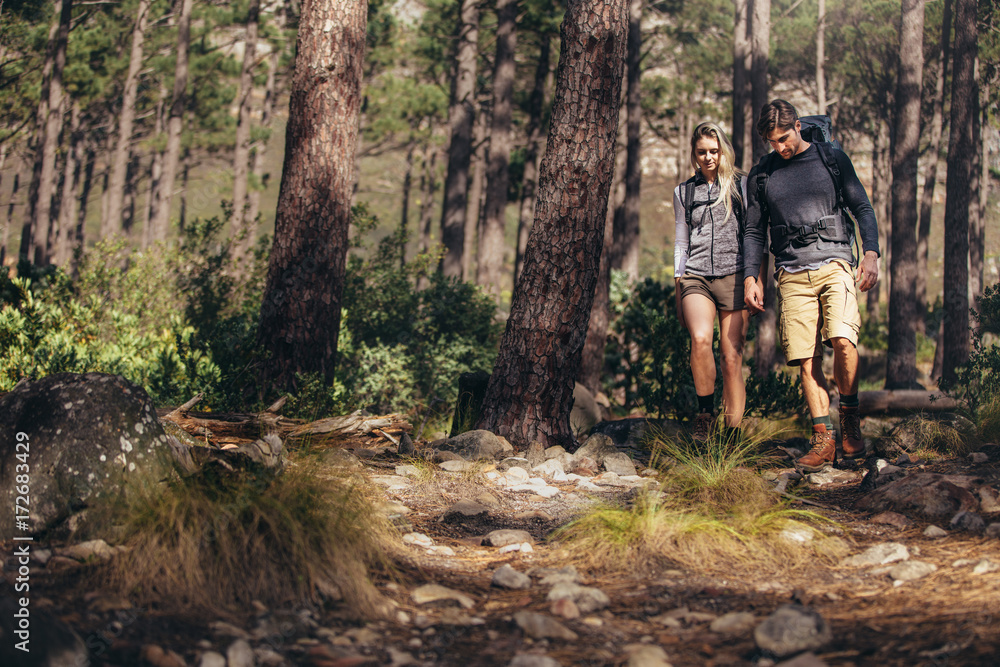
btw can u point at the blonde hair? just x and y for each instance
(728, 171)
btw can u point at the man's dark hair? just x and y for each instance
(776, 115)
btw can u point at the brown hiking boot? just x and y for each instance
(851, 441)
(702, 426)
(823, 452)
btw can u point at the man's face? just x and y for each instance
(787, 142)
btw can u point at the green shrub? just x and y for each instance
(978, 381)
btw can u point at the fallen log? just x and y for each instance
(904, 400)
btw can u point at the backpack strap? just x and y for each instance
(688, 200)
(830, 162)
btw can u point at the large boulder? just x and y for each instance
(931, 495)
(69, 440)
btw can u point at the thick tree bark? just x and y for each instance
(461, 115)
(300, 313)
(71, 182)
(626, 231)
(245, 228)
(404, 218)
(933, 157)
(41, 218)
(492, 248)
(530, 393)
(742, 108)
(977, 228)
(592, 362)
(821, 57)
(536, 108)
(10, 218)
(901, 358)
(112, 223)
(428, 186)
(959, 178)
(77, 238)
(175, 123)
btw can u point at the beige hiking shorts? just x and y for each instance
(815, 306)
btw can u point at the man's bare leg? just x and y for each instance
(845, 365)
(814, 386)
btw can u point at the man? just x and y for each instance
(794, 193)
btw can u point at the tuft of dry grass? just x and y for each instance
(310, 531)
(988, 419)
(713, 512)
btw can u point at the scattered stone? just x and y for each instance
(968, 521)
(619, 463)
(418, 540)
(979, 457)
(401, 658)
(507, 577)
(501, 538)
(532, 660)
(442, 455)
(734, 623)
(566, 608)
(405, 446)
(808, 659)
(549, 468)
(989, 502)
(587, 599)
(550, 576)
(962, 562)
(441, 551)
(902, 460)
(436, 593)
(930, 494)
(993, 530)
(934, 532)
(212, 659)
(878, 554)
(831, 476)
(228, 630)
(488, 499)
(474, 445)
(513, 461)
(597, 447)
(646, 655)
(157, 657)
(540, 626)
(555, 452)
(911, 569)
(585, 466)
(523, 547)
(457, 465)
(239, 654)
(408, 471)
(465, 509)
(984, 566)
(535, 453)
(87, 550)
(516, 475)
(792, 629)
(894, 519)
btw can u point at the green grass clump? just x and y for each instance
(216, 545)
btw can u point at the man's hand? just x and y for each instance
(753, 295)
(867, 274)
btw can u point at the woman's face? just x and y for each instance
(706, 154)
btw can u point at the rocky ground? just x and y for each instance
(480, 583)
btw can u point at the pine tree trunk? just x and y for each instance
(901, 358)
(530, 393)
(492, 249)
(977, 228)
(404, 218)
(5, 235)
(77, 238)
(626, 231)
(933, 157)
(536, 108)
(742, 110)
(131, 195)
(243, 227)
(428, 186)
(175, 123)
(474, 199)
(821, 58)
(112, 223)
(300, 313)
(71, 182)
(42, 221)
(881, 178)
(461, 115)
(760, 49)
(959, 180)
(266, 114)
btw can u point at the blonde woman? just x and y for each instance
(709, 209)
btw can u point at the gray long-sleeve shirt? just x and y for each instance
(799, 192)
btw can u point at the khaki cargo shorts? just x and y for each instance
(815, 306)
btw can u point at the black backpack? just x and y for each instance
(816, 130)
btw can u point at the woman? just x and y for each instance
(708, 269)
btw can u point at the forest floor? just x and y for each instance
(949, 617)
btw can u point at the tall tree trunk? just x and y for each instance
(881, 192)
(901, 358)
(428, 186)
(933, 157)
(266, 114)
(959, 179)
(243, 227)
(112, 223)
(821, 57)
(42, 222)
(536, 108)
(626, 231)
(300, 313)
(71, 183)
(77, 238)
(760, 48)
(977, 228)
(10, 218)
(185, 178)
(492, 248)
(461, 114)
(175, 123)
(530, 393)
(474, 198)
(404, 218)
(5, 235)
(153, 201)
(742, 107)
(131, 195)
(592, 361)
